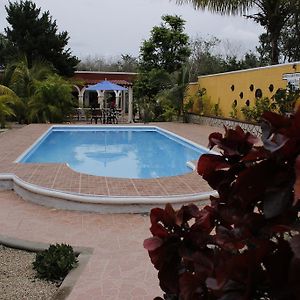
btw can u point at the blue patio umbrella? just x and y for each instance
(106, 85)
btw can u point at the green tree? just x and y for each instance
(7, 99)
(290, 36)
(272, 15)
(52, 100)
(34, 34)
(173, 97)
(21, 78)
(162, 54)
(146, 88)
(168, 46)
(7, 52)
(204, 59)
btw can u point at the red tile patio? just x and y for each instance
(119, 267)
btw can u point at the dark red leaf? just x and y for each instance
(191, 287)
(231, 240)
(213, 138)
(297, 182)
(295, 245)
(205, 219)
(256, 154)
(186, 213)
(152, 243)
(277, 265)
(208, 163)
(159, 230)
(275, 120)
(276, 201)
(166, 216)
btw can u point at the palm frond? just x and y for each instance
(224, 7)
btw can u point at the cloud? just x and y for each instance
(109, 28)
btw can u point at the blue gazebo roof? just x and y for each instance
(106, 85)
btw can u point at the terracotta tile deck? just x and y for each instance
(119, 268)
(60, 177)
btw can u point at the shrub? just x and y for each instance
(285, 99)
(254, 113)
(246, 243)
(55, 262)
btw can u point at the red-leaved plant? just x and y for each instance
(246, 244)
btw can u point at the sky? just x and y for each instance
(109, 28)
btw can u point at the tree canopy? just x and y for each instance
(168, 46)
(272, 15)
(34, 34)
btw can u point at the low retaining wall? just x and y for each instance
(229, 123)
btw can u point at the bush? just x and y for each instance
(253, 114)
(246, 243)
(55, 262)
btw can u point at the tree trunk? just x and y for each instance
(275, 51)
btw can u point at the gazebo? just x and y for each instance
(106, 85)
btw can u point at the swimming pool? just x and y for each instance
(126, 152)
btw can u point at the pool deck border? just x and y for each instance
(58, 186)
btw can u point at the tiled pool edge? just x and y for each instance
(84, 254)
(95, 203)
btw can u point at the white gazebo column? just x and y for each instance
(130, 104)
(118, 95)
(100, 98)
(80, 100)
(81, 97)
(86, 98)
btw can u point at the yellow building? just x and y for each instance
(230, 91)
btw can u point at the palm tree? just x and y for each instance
(272, 14)
(52, 100)
(8, 98)
(173, 97)
(21, 79)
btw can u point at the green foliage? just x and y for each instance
(7, 100)
(52, 100)
(285, 99)
(176, 93)
(272, 15)
(167, 48)
(34, 34)
(290, 36)
(22, 79)
(253, 114)
(55, 262)
(206, 107)
(206, 58)
(216, 109)
(146, 90)
(234, 112)
(7, 52)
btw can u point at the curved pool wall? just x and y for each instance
(97, 203)
(60, 199)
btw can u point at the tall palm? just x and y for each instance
(272, 14)
(21, 79)
(8, 98)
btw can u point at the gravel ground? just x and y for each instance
(17, 278)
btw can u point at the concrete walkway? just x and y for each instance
(119, 268)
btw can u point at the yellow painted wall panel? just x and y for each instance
(225, 88)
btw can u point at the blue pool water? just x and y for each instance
(115, 151)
